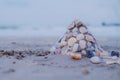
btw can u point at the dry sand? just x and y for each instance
(33, 66)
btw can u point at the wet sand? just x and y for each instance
(29, 59)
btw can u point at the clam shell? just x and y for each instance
(76, 56)
(63, 43)
(82, 44)
(89, 38)
(80, 36)
(83, 30)
(72, 41)
(75, 47)
(95, 60)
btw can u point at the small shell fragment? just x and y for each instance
(83, 30)
(82, 44)
(72, 41)
(76, 56)
(89, 38)
(96, 60)
(80, 36)
(69, 35)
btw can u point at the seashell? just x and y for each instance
(72, 41)
(76, 56)
(90, 53)
(72, 26)
(83, 30)
(63, 43)
(89, 38)
(58, 51)
(96, 60)
(75, 47)
(84, 53)
(89, 44)
(104, 53)
(80, 36)
(69, 35)
(82, 44)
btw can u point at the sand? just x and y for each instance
(27, 64)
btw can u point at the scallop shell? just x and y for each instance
(89, 38)
(82, 44)
(63, 43)
(83, 30)
(80, 36)
(72, 41)
(95, 60)
(76, 56)
(75, 47)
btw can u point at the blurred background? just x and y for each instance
(50, 18)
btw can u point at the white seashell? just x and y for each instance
(80, 36)
(72, 41)
(89, 38)
(75, 47)
(63, 43)
(83, 30)
(82, 44)
(84, 53)
(95, 60)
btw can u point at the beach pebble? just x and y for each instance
(72, 41)
(82, 44)
(95, 60)
(75, 47)
(80, 36)
(83, 30)
(76, 56)
(89, 38)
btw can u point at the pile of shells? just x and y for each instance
(77, 40)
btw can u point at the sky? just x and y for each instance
(58, 12)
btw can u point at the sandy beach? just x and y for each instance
(28, 59)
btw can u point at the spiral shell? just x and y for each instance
(83, 30)
(82, 44)
(72, 41)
